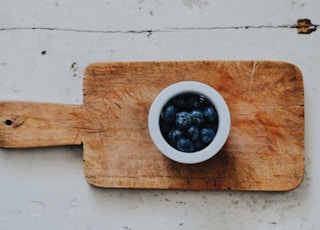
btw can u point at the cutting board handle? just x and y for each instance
(25, 124)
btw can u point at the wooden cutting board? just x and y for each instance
(265, 149)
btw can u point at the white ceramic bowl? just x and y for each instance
(223, 126)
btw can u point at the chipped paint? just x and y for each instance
(304, 26)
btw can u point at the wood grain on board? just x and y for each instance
(265, 149)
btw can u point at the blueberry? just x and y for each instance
(174, 135)
(169, 113)
(194, 102)
(197, 117)
(212, 125)
(207, 135)
(198, 145)
(210, 114)
(164, 127)
(185, 145)
(183, 120)
(193, 133)
(180, 102)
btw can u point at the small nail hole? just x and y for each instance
(8, 122)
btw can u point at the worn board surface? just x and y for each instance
(265, 149)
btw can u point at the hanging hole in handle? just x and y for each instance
(8, 122)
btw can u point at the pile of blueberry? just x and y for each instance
(189, 122)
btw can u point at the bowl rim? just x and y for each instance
(189, 87)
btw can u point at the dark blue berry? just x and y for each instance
(183, 120)
(207, 135)
(194, 102)
(212, 125)
(174, 135)
(197, 117)
(185, 145)
(210, 114)
(193, 133)
(198, 145)
(180, 102)
(164, 127)
(169, 113)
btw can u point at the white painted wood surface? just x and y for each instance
(44, 48)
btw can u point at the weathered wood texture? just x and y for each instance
(265, 149)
